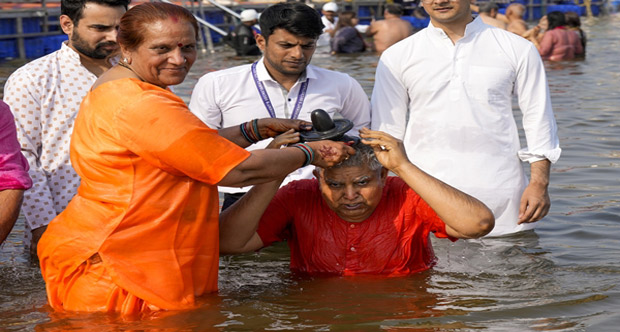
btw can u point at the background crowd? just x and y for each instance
(124, 194)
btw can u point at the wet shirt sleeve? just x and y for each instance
(432, 222)
(274, 225)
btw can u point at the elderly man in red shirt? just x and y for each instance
(354, 219)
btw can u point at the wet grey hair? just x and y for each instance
(364, 155)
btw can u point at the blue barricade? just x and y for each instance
(581, 10)
(417, 23)
(8, 49)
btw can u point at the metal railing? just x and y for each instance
(46, 13)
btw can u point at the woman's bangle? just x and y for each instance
(256, 131)
(307, 150)
(249, 130)
(246, 134)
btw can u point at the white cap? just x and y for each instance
(330, 7)
(249, 15)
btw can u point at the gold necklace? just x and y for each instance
(126, 65)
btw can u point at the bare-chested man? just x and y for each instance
(513, 18)
(488, 13)
(392, 29)
(514, 15)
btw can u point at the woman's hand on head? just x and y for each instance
(329, 153)
(390, 152)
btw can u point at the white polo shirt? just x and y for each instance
(230, 97)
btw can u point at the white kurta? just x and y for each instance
(451, 104)
(324, 38)
(229, 97)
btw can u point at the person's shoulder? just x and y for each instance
(507, 36)
(396, 190)
(494, 22)
(403, 46)
(338, 80)
(299, 188)
(5, 112)
(119, 89)
(228, 72)
(403, 22)
(395, 183)
(323, 73)
(302, 185)
(129, 95)
(378, 23)
(517, 27)
(32, 68)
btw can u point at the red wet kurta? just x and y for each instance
(394, 240)
(142, 231)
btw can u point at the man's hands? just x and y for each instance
(535, 201)
(390, 151)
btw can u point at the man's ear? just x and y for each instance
(261, 42)
(66, 24)
(384, 174)
(316, 172)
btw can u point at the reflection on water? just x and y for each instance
(562, 277)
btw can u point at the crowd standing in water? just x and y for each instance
(557, 42)
(143, 231)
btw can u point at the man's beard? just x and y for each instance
(96, 53)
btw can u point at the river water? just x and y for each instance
(564, 276)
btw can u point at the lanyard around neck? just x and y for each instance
(267, 102)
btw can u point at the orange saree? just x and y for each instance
(142, 231)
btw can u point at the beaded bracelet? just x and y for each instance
(307, 150)
(256, 131)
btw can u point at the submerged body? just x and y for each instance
(393, 240)
(146, 211)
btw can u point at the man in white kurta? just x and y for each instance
(292, 88)
(447, 92)
(45, 96)
(329, 20)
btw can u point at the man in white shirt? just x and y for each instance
(45, 96)
(447, 92)
(282, 84)
(329, 20)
